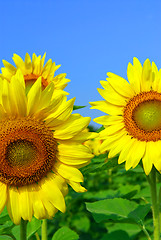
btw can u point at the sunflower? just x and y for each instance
(33, 69)
(94, 145)
(133, 120)
(40, 149)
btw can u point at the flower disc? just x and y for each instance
(28, 151)
(142, 116)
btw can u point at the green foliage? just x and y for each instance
(65, 233)
(116, 206)
(75, 107)
(32, 228)
(117, 235)
(118, 210)
(6, 226)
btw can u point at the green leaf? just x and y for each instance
(118, 210)
(139, 213)
(127, 192)
(5, 237)
(4, 217)
(81, 223)
(33, 227)
(100, 129)
(111, 209)
(131, 229)
(6, 227)
(117, 235)
(75, 107)
(100, 163)
(65, 233)
(16, 232)
(4, 212)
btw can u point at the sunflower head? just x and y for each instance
(34, 68)
(133, 120)
(41, 149)
(94, 145)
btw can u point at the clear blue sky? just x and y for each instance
(87, 37)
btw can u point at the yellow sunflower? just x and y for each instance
(133, 120)
(33, 69)
(94, 145)
(40, 149)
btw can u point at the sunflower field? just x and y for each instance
(62, 179)
(116, 206)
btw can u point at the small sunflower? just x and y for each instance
(33, 69)
(133, 120)
(94, 145)
(40, 149)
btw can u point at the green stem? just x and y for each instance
(159, 200)
(155, 205)
(146, 232)
(23, 229)
(37, 236)
(44, 229)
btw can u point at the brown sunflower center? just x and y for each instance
(27, 151)
(31, 78)
(142, 116)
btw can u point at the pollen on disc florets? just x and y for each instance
(142, 116)
(27, 151)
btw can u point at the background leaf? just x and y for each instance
(118, 209)
(33, 227)
(65, 233)
(117, 235)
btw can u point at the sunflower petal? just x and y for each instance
(3, 199)
(34, 97)
(106, 107)
(53, 193)
(68, 172)
(120, 85)
(147, 161)
(13, 205)
(25, 203)
(77, 187)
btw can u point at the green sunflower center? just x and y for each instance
(142, 116)
(28, 151)
(148, 115)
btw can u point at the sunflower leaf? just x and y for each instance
(118, 210)
(100, 163)
(117, 235)
(75, 107)
(5, 237)
(65, 233)
(33, 227)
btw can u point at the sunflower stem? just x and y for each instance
(23, 229)
(146, 232)
(155, 205)
(159, 200)
(44, 229)
(37, 236)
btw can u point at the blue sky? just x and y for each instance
(87, 37)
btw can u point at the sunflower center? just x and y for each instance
(28, 151)
(142, 116)
(148, 115)
(21, 153)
